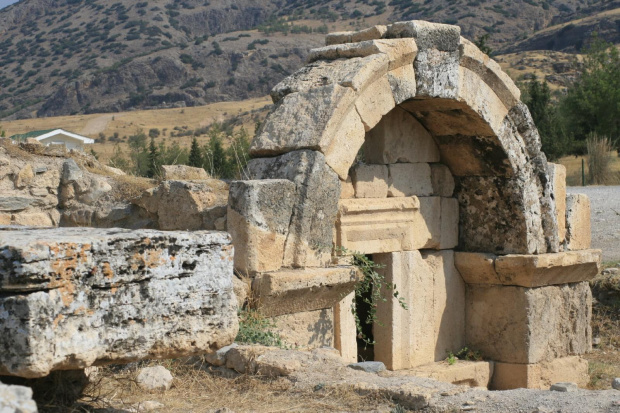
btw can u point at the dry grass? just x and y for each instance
(129, 186)
(573, 170)
(200, 388)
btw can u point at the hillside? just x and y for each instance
(62, 57)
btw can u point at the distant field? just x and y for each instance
(573, 169)
(129, 123)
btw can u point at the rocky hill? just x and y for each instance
(62, 57)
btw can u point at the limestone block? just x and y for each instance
(464, 373)
(442, 180)
(345, 330)
(310, 235)
(375, 225)
(156, 378)
(399, 137)
(403, 84)
(259, 214)
(341, 152)
(16, 399)
(33, 219)
(578, 232)
(529, 270)
(437, 74)
(371, 33)
(24, 177)
(448, 303)
(514, 324)
(97, 188)
(374, 102)
(449, 237)
(428, 223)
(346, 189)
(427, 35)
(294, 291)
(307, 330)
(5, 219)
(557, 177)
(183, 173)
(71, 172)
(540, 375)
(370, 181)
(407, 179)
(76, 297)
(433, 322)
(15, 203)
(489, 71)
(400, 52)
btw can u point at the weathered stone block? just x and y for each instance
(310, 235)
(464, 373)
(375, 225)
(540, 375)
(345, 330)
(433, 322)
(407, 179)
(399, 52)
(371, 33)
(183, 173)
(307, 330)
(578, 232)
(515, 325)
(259, 214)
(442, 180)
(310, 289)
(427, 35)
(428, 223)
(370, 181)
(529, 270)
(557, 177)
(16, 399)
(347, 190)
(399, 137)
(437, 74)
(375, 102)
(403, 84)
(77, 297)
(449, 237)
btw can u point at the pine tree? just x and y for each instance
(154, 160)
(195, 157)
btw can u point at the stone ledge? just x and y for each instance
(540, 375)
(528, 270)
(469, 373)
(294, 291)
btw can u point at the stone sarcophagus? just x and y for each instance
(75, 297)
(408, 144)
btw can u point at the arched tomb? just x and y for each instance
(406, 143)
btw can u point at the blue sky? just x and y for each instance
(4, 3)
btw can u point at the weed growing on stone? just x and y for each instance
(254, 328)
(463, 354)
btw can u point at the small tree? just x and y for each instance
(154, 160)
(154, 133)
(481, 43)
(195, 157)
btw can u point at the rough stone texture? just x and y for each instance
(433, 322)
(399, 137)
(564, 387)
(73, 298)
(427, 35)
(186, 205)
(346, 188)
(528, 270)
(578, 231)
(218, 358)
(428, 223)
(615, 383)
(309, 240)
(371, 33)
(540, 375)
(183, 173)
(375, 225)
(403, 84)
(557, 177)
(156, 378)
(407, 179)
(463, 373)
(368, 366)
(442, 180)
(514, 324)
(400, 52)
(16, 399)
(449, 237)
(345, 330)
(375, 102)
(259, 214)
(309, 329)
(296, 291)
(370, 181)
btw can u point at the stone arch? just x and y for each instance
(471, 108)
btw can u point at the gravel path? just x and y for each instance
(605, 221)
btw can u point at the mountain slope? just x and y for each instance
(60, 57)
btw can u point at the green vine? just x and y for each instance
(371, 290)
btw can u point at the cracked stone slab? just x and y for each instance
(75, 297)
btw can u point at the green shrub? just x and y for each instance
(256, 329)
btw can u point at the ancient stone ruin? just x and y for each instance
(402, 142)
(408, 144)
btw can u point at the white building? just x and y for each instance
(56, 137)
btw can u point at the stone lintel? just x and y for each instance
(293, 291)
(528, 270)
